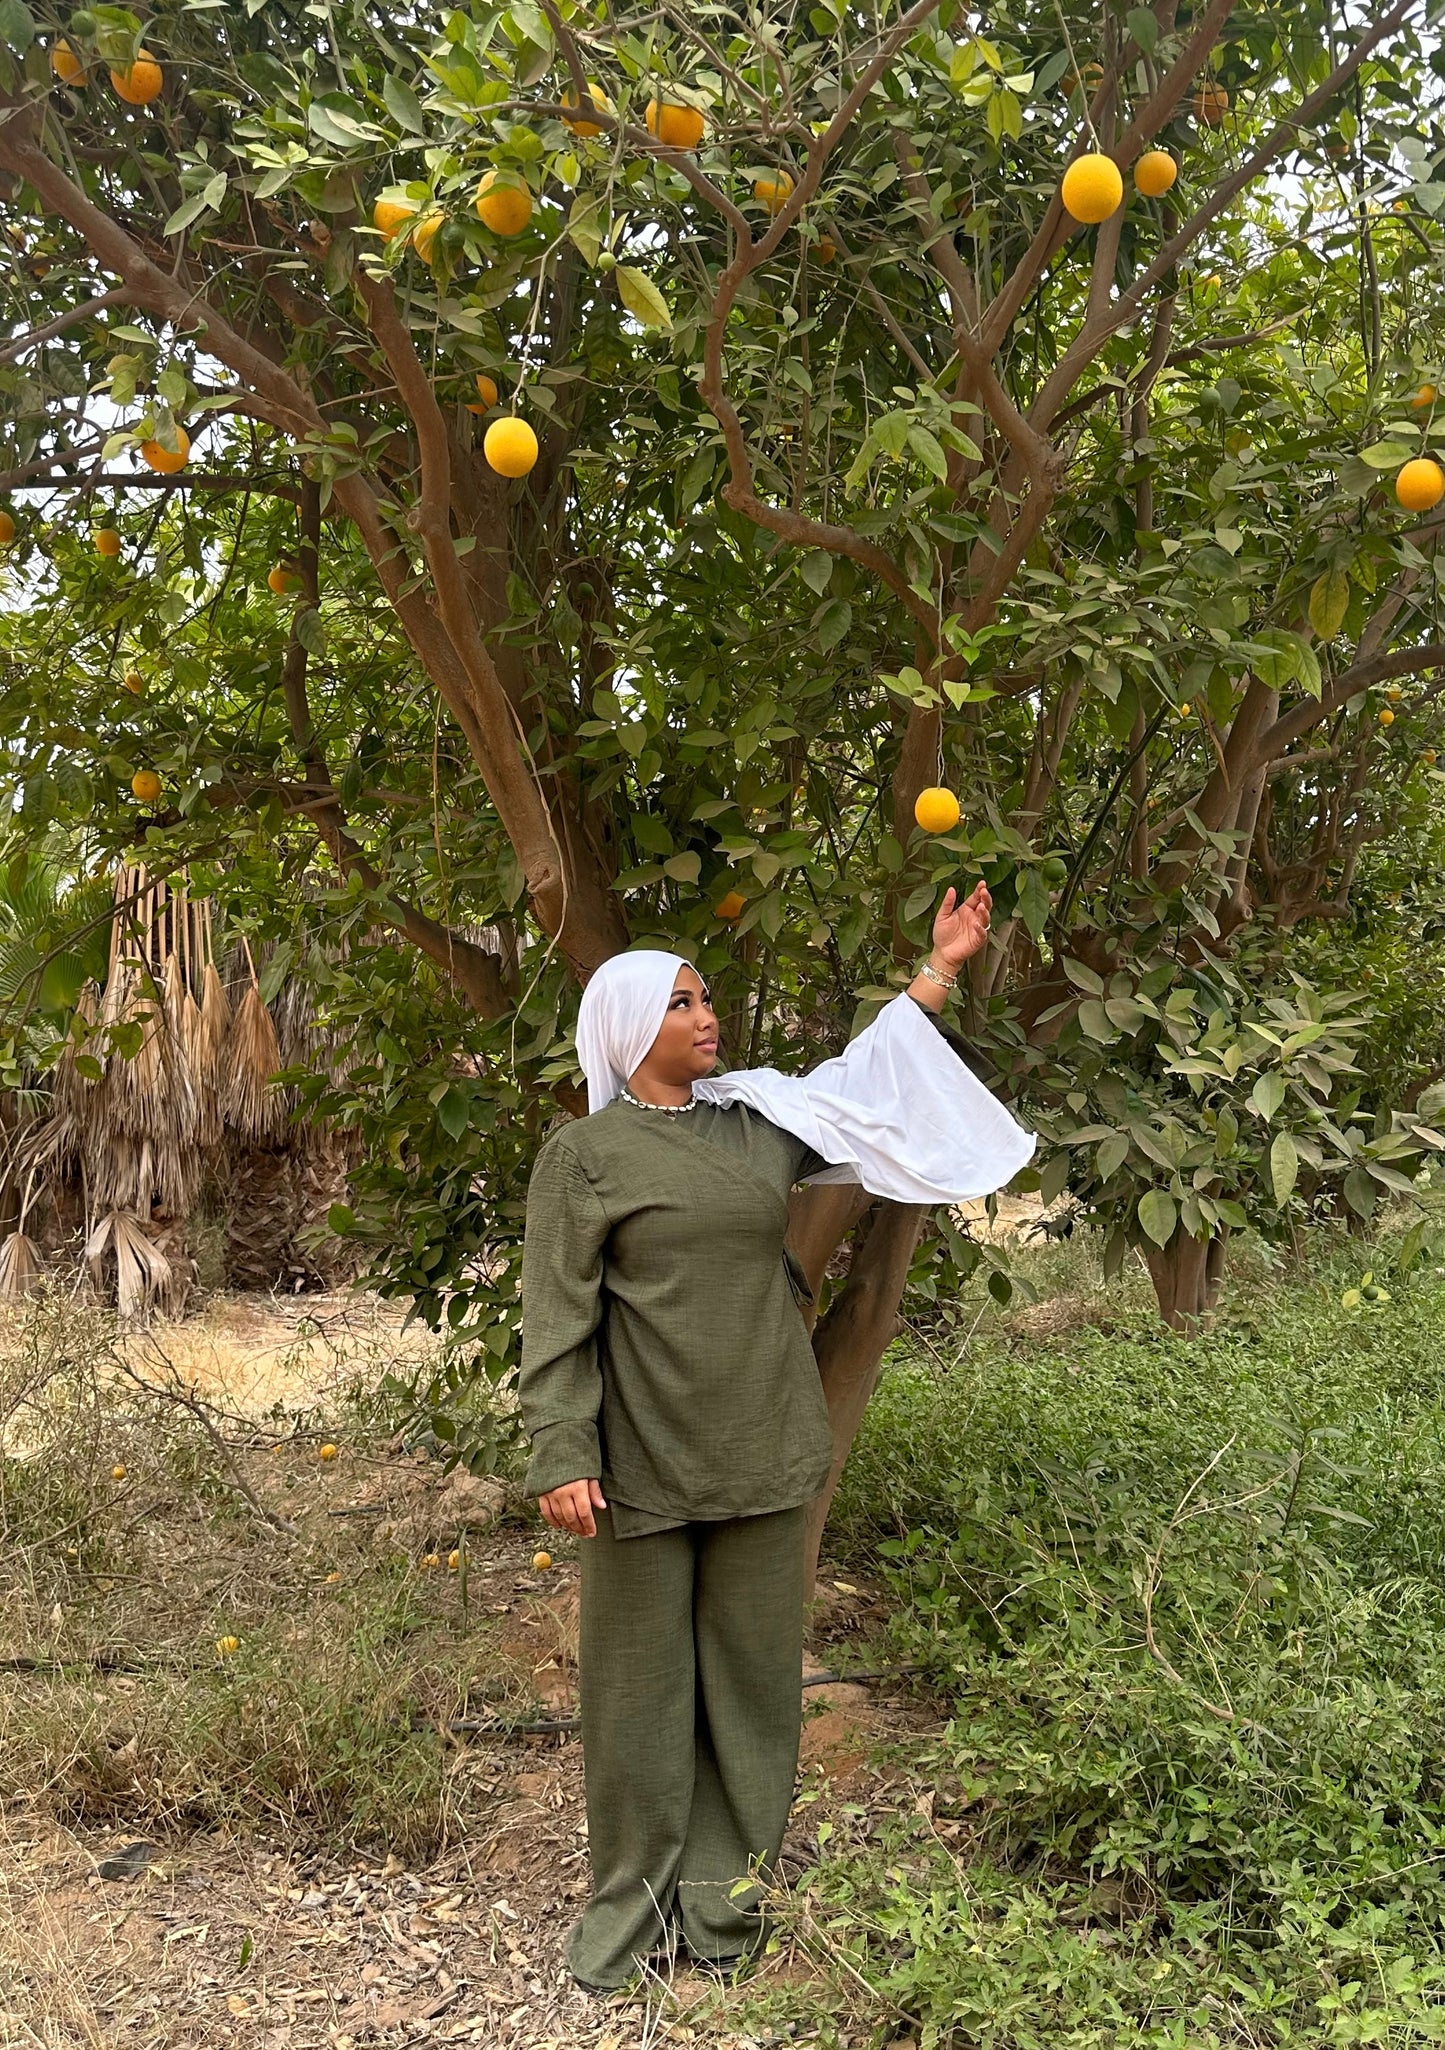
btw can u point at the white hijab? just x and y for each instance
(897, 1110)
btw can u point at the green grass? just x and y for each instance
(1185, 1600)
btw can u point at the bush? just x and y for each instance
(1187, 1597)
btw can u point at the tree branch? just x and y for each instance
(70, 318)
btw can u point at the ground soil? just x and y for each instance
(278, 1944)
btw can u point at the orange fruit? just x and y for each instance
(1184, 709)
(1093, 79)
(1425, 396)
(487, 394)
(117, 1473)
(826, 250)
(327, 1452)
(541, 1561)
(577, 122)
(1394, 693)
(1092, 188)
(388, 215)
(429, 1561)
(141, 83)
(510, 447)
(936, 810)
(506, 208)
(332, 1579)
(167, 460)
(1420, 484)
(65, 64)
(774, 193)
(1154, 173)
(282, 580)
(1429, 757)
(732, 906)
(680, 127)
(1386, 717)
(454, 1560)
(226, 1645)
(145, 786)
(7, 529)
(107, 541)
(134, 682)
(424, 234)
(1210, 103)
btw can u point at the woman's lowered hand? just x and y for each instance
(570, 1507)
(961, 927)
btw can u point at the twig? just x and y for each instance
(175, 1391)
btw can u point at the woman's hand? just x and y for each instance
(570, 1507)
(961, 928)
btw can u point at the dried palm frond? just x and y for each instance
(20, 1266)
(250, 1103)
(142, 1271)
(208, 1051)
(72, 1089)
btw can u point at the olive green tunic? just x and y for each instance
(664, 1348)
(665, 1354)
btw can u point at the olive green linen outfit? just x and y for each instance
(666, 1355)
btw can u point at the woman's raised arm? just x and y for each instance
(959, 931)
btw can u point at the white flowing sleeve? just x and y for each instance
(897, 1110)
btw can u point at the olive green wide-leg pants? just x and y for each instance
(691, 1657)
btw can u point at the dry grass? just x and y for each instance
(329, 1866)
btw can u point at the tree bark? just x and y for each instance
(1187, 1275)
(851, 1341)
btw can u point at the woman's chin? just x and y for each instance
(703, 1064)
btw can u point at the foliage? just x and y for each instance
(1184, 1597)
(907, 479)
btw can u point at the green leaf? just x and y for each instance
(642, 298)
(584, 225)
(1033, 902)
(1085, 978)
(684, 868)
(1111, 1156)
(1094, 1020)
(1143, 25)
(831, 624)
(1268, 1094)
(189, 210)
(454, 1113)
(17, 25)
(1329, 602)
(1386, 455)
(1158, 1214)
(1283, 1168)
(403, 105)
(929, 452)
(816, 568)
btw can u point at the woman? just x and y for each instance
(677, 1420)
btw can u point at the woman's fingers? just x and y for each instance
(570, 1508)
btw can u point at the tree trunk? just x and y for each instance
(1187, 1274)
(261, 1218)
(852, 1339)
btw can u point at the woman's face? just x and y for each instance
(686, 1047)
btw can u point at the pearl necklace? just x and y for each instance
(669, 1110)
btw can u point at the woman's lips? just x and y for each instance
(705, 1045)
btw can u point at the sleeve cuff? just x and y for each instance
(563, 1452)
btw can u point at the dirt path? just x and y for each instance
(262, 1937)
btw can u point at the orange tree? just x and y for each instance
(860, 464)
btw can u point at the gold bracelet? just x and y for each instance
(943, 981)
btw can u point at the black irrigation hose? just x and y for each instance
(548, 1726)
